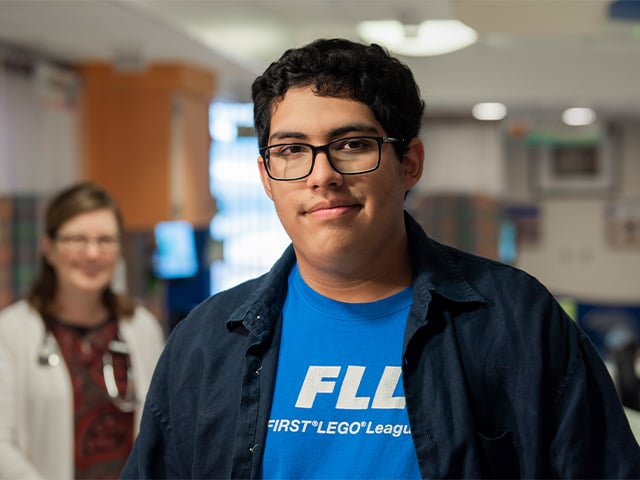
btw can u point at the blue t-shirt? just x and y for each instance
(338, 409)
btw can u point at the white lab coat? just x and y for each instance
(36, 402)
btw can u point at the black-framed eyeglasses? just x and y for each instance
(347, 156)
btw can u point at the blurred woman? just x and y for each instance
(75, 357)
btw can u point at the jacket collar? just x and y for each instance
(261, 309)
(435, 268)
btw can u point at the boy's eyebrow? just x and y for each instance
(354, 128)
(284, 134)
(336, 132)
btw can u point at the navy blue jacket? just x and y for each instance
(499, 382)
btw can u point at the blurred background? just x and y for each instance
(532, 134)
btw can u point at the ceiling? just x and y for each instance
(533, 55)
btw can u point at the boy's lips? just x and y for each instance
(335, 207)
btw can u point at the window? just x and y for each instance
(246, 232)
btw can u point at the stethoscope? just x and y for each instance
(49, 355)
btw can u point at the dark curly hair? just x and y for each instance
(342, 68)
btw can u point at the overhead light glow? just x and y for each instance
(489, 111)
(431, 37)
(578, 116)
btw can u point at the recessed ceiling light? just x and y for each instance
(489, 111)
(578, 116)
(431, 37)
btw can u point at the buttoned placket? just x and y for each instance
(247, 454)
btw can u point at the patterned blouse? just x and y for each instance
(103, 433)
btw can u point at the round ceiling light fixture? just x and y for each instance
(429, 38)
(489, 111)
(578, 116)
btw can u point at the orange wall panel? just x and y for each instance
(127, 141)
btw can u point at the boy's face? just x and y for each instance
(335, 220)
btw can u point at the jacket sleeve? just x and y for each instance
(154, 454)
(592, 437)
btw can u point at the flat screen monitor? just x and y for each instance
(175, 254)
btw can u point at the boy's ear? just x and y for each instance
(413, 162)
